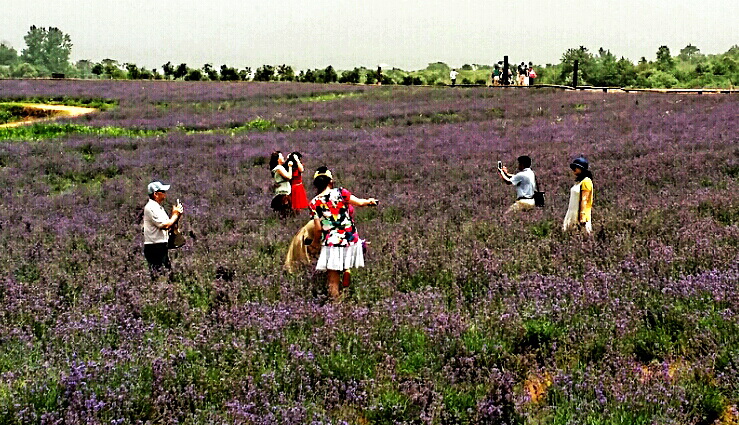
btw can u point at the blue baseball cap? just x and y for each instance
(157, 187)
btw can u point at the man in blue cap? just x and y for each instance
(156, 228)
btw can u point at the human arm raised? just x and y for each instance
(359, 202)
(286, 174)
(503, 173)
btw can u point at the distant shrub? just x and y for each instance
(351, 77)
(265, 73)
(194, 75)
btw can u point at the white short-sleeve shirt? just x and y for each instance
(525, 183)
(154, 217)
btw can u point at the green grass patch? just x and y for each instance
(61, 182)
(43, 131)
(318, 97)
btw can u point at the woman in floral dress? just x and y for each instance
(341, 247)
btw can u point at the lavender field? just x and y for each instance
(463, 315)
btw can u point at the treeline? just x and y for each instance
(47, 54)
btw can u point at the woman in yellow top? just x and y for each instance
(581, 198)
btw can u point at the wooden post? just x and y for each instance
(574, 74)
(506, 81)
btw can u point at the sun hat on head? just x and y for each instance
(157, 187)
(580, 162)
(326, 173)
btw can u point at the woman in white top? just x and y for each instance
(281, 176)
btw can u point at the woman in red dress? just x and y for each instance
(298, 197)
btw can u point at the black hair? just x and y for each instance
(321, 182)
(292, 157)
(524, 161)
(274, 160)
(583, 175)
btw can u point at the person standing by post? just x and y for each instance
(156, 228)
(579, 210)
(453, 76)
(525, 182)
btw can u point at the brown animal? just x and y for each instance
(300, 254)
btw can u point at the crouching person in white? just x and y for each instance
(156, 228)
(524, 181)
(341, 247)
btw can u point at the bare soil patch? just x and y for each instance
(34, 112)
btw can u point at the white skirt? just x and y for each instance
(341, 257)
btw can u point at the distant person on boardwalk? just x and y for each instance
(281, 177)
(496, 75)
(453, 76)
(532, 74)
(524, 181)
(341, 248)
(522, 74)
(156, 228)
(298, 197)
(581, 198)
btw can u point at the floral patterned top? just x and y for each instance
(333, 211)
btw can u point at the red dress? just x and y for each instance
(298, 197)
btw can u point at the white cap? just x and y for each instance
(157, 187)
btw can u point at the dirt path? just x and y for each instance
(60, 111)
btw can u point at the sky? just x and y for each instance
(401, 33)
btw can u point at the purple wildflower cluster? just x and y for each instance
(463, 315)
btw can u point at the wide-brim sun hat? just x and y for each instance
(580, 163)
(157, 187)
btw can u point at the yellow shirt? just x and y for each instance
(586, 199)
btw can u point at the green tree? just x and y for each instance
(351, 77)
(47, 48)
(168, 70)
(689, 53)
(329, 75)
(24, 70)
(8, 55)
(265, 73)
(133, 71)
(98, 69)
(245, 74)
(665, 63)
(181, 71)
(194, 75)
(229, 74)
(285, 73)
(112, 69)
(210, 72)
(309, 76)
(585, 63)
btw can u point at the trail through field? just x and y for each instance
(59, 111)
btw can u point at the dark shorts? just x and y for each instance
(157, 256)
